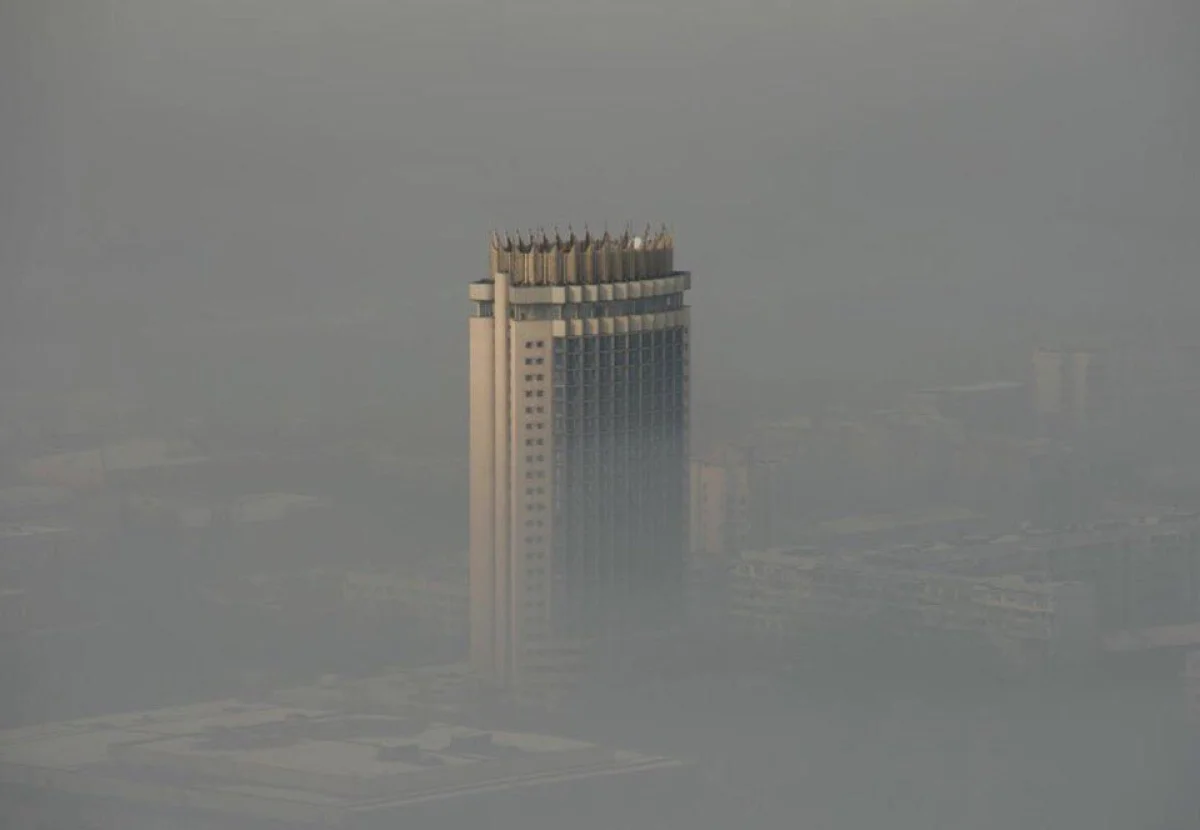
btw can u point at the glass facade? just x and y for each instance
(619, 445)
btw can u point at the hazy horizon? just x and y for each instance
(864, 191)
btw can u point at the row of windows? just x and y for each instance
(650, 400)
(621, 396)
(591, 375)
(617, 391)
(531, 378)
(644, 358)
(534, 361)
(535, 393)
(604, 437)
(647, 427)
(582, 456)
(625, 396)
(606, 454)
(587, 512)
(596, 310)
(620, 423)
(621, 363)
(535, 344)
(583, 498)
(622, 342)
(634, 400)
(593, 466)
(530, 410)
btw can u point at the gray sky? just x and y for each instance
(863, 188)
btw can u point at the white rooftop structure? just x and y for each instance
(270, 762)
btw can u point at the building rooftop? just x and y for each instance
(85, 466)
(542, 258)
(17, 531)
(271, 761)
(883, 522)
(986, 386)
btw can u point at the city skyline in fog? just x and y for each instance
(934, 381)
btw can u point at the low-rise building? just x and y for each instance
(793, 594)
(260, 765)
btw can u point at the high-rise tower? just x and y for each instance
(579, 436)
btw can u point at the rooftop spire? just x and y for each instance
(625, 257)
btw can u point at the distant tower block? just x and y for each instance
(579, 446)
(1068, 388)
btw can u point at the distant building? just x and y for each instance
(790, 594)
(732, 501)
(911, 527)
(1069, 389)
(999, 406)
(95, 467)
(1146, 572)
(579, 446)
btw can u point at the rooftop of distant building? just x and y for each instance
(985, 386)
